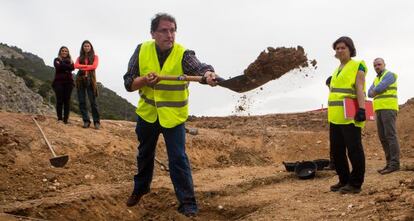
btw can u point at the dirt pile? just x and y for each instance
(270, 65)
(274, 63)
(237, 169)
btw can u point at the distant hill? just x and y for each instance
(38, 77)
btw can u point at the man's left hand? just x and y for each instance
(211, 78)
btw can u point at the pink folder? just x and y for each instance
(351, 107)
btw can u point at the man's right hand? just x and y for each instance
(151, 79)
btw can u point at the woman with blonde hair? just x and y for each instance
(63, 83)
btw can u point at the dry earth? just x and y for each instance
(236, 163)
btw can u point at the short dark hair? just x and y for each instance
(161, 16)
(348, 42)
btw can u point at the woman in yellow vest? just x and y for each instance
(348, 80)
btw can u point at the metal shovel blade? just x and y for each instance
(59, 161)
(243, 83)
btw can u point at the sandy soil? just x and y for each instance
(237, 169)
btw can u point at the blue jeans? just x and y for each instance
(180, 171)
(82, 90)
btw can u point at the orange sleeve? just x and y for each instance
(93, 66)
(77, 65)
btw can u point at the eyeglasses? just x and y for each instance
(166, 31)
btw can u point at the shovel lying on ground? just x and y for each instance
(56, 161)
(239, 84)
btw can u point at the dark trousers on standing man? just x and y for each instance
(63, 93)
(388, 136)
(179, 165)
(343, 139)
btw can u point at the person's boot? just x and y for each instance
(380, 170)
(86, 124)
(133, 199)
(97, 125)
(331, 166)
(349, 189)
(336, 187)
(389, 170)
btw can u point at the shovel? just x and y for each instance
(56, 161)
(239, 84)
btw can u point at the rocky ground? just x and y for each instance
(237, 170)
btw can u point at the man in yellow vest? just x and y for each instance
(384, 92)
(163, 108)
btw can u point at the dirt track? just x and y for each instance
(237, 171)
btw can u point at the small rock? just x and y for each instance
(44, 180)
(350, 206)
(89, 177)
(220, 207)
(343, 214)
(319, 141)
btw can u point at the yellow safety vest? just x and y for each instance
(342, 86)
(388, 99)
(167, 101)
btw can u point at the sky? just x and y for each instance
(228, 34)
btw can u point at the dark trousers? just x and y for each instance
(63, 93)
(179, 165)
(82, 90)
(343, 139)
(387, 133)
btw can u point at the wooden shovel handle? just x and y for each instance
(181, 78)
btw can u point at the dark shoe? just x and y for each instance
(65, 121)
(389, 170)
(133, 200)
(336, 187)
(188, 210)
(97, 125)
(190, 214)
(380, 170)
(331, 167)
(349, 189)
(86, 124)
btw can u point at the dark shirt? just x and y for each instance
(191, 65)
(63, 71)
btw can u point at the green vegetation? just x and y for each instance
(38, 77)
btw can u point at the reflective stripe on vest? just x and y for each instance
(342, 86)
(388, 99)
(167, 101)
(343, 90)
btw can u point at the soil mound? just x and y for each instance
(237, 170)
(274, 63)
